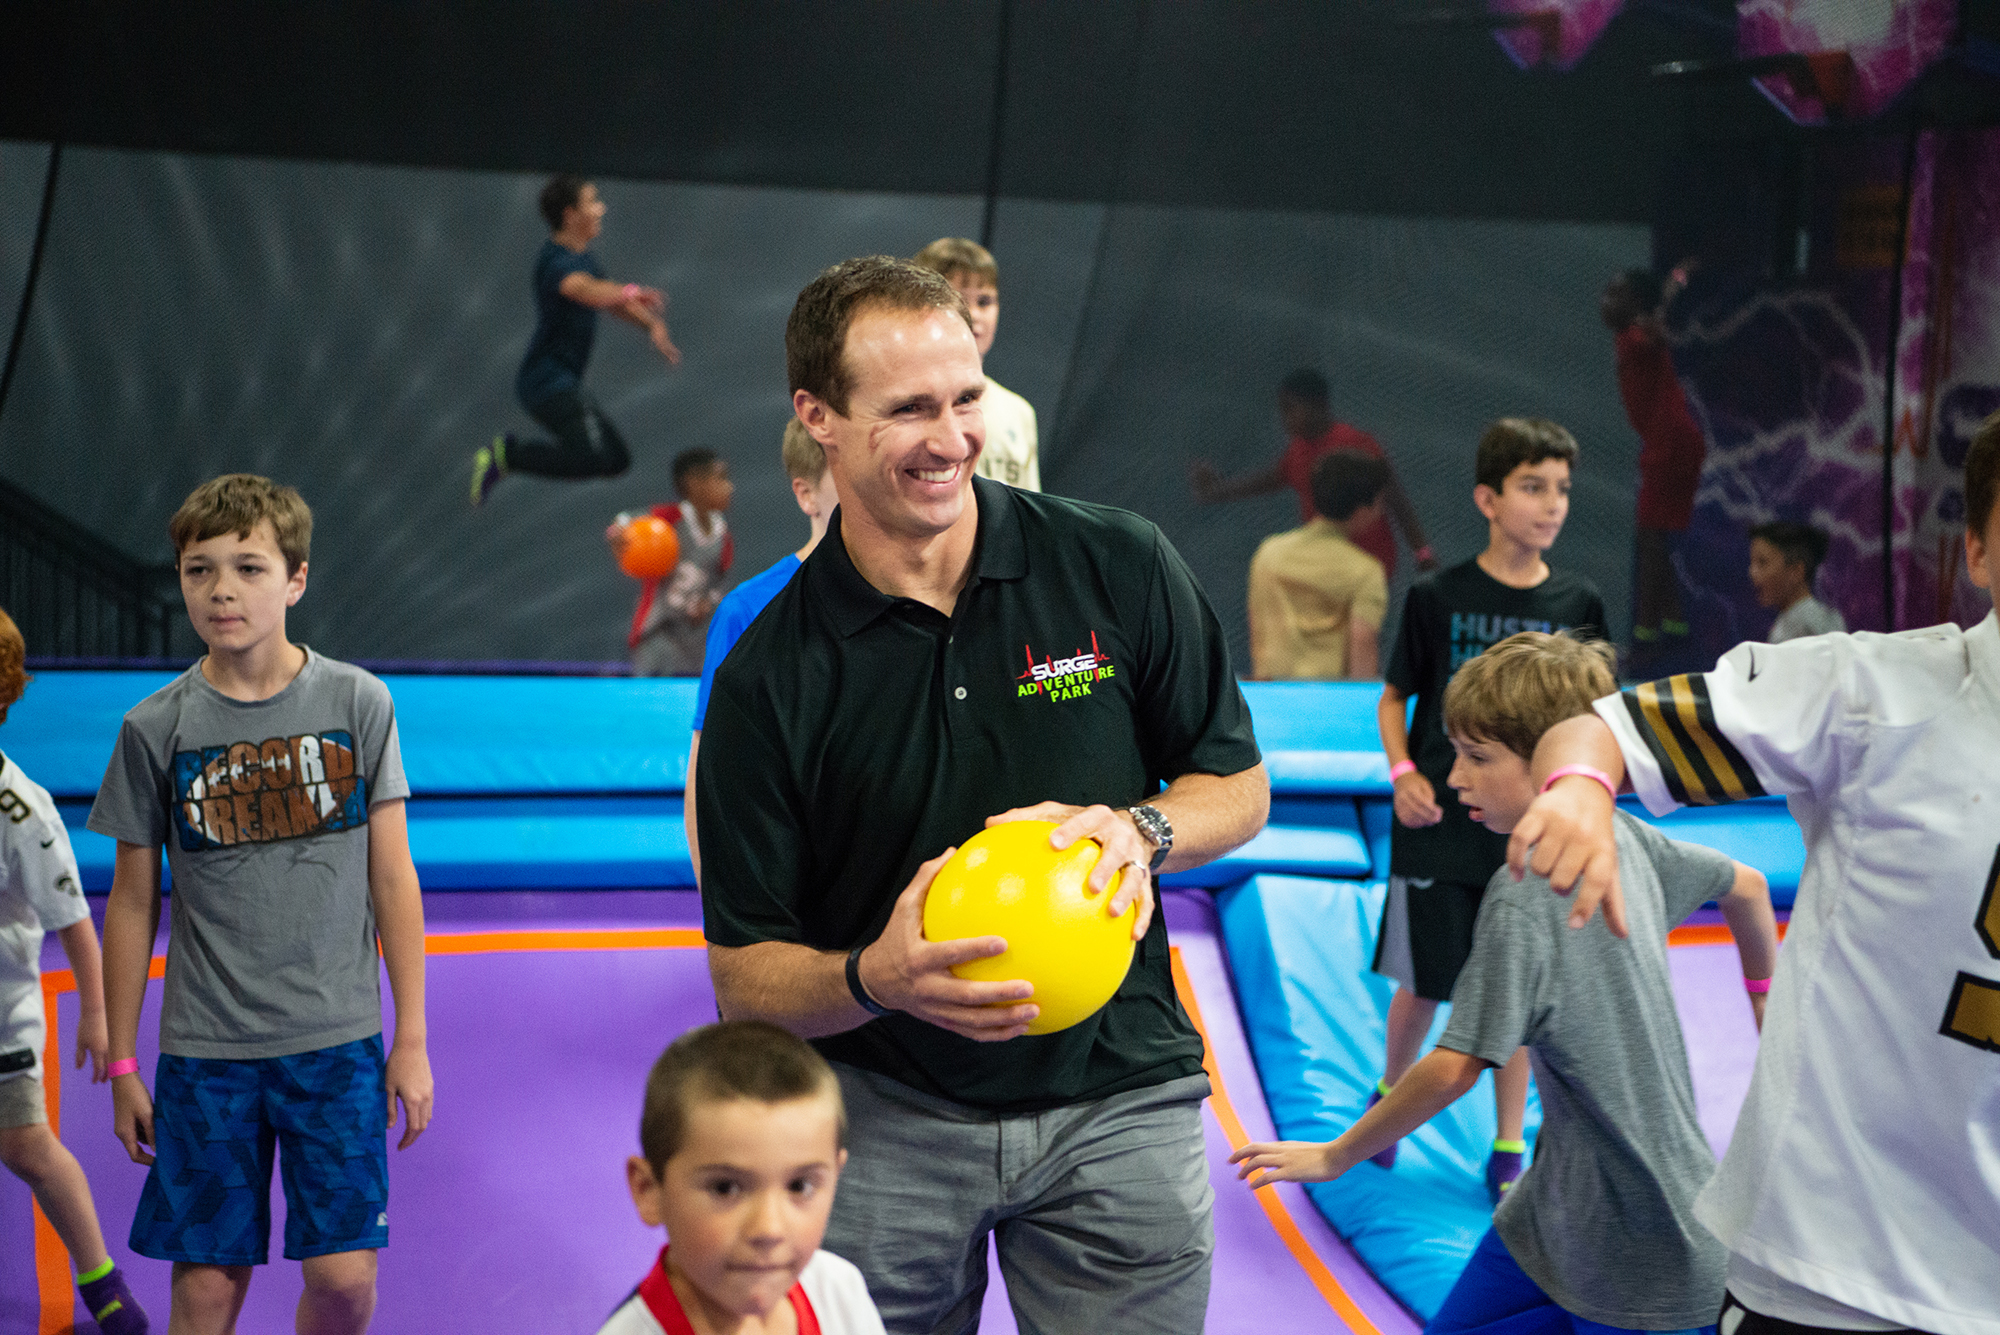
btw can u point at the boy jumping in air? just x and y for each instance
(570, 290)
(273, 777)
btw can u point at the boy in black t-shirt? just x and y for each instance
(1440, 861)
(570, 289)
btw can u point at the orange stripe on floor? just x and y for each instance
(1274, 1208)
(1708, 934)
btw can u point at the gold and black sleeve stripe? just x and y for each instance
(1701, 766)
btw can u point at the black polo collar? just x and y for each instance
(998, 552)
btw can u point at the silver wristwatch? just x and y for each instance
(1153, 824)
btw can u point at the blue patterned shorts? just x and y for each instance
(216, 1123)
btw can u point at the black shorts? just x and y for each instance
(1426, 934)
(1736, 1319)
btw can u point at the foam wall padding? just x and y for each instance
(1300, 951)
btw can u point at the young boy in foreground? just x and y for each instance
(39, 891)
(274, 779)
(1439, 859)
(744, 1138)
(1600, 1226)
(1861, 1189)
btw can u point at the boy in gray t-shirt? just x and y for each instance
(1601, 1225)
(273, 778)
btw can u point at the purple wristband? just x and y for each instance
(1757, 985)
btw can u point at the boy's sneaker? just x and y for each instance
(1503, 1167)
(1387, 1158)
(111, 1303)
(489, 462)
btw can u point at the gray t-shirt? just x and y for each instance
(1807, 616)
(263, 808)
(1603, 1220)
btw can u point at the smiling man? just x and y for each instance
(884, 708)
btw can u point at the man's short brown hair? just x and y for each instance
(1525, 685)
(805, 458)
(735, 1059)
(954, 255)
(14, 676)
(1513, 441)
(1982, 475)
(816, 333)
(237, 503)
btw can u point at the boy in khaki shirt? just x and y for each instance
(1317, 600)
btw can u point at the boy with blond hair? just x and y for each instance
(1013, 450)
(1861, 1188)
(1601, 1227)
(273, 777)
(1440, 860)
(743, 1138)
(813, 489)
(39, 892)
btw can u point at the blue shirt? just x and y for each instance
(564, 329)
(733, 615)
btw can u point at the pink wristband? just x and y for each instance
(633, 292)
(1400, 768)
(1583, 772)
(1757, 985)
(123, 1066)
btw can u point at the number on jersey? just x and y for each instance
(1973, 1013)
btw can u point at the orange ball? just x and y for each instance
(1007, 881)
(651, 549)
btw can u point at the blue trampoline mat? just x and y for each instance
(1300, 951)
(471, 735)
(489, 737)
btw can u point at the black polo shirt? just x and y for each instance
(851, 736)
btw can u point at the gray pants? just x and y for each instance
(1100, 1210)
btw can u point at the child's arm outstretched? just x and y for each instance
(1431, 1086)
(1747, 910)
(79, 943)
(399, 923)
(131, 918)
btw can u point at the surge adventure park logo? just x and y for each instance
(1064, 678)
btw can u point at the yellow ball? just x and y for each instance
(1007, 881)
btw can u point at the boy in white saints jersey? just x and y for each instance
(1861, 1190)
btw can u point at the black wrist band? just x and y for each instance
(861, 997)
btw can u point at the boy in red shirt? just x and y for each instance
(1671, 445)
(1303, 399)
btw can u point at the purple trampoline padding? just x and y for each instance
(1720, 1031)
(511, 1212)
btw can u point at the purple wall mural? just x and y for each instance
(1888, 44)
(1563, 32)
(1787, 379)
